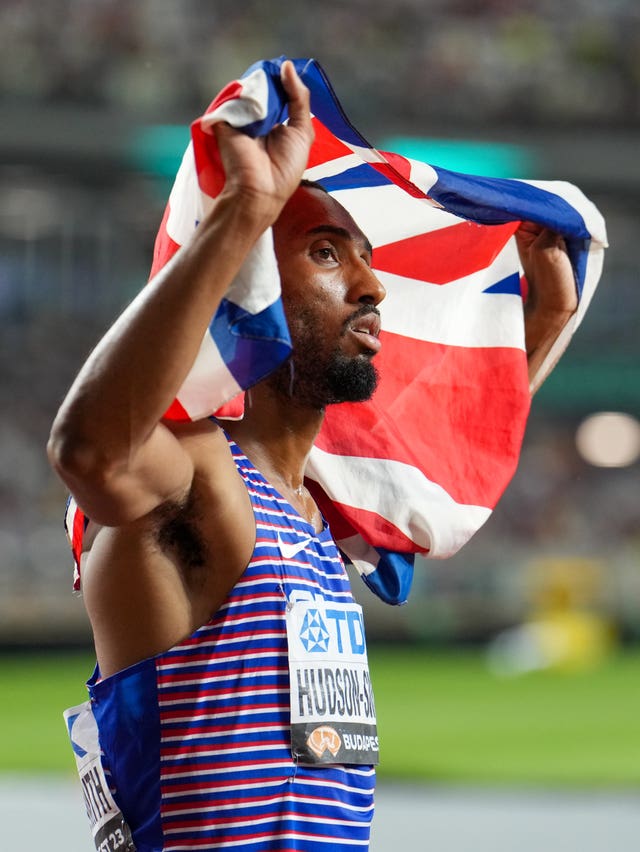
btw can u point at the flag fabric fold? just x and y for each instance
(419, 467)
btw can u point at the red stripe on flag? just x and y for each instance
(325, 146)
(378, 530)
(399, 163)
(345, 521)
(232, 410)
(77, 534)
(211, 176)
(231, 90)
(398, 171)
(445, 254)
(340, 526)
(176, 412)
(473, 405)
(164, 247)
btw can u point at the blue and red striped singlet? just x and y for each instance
(196, 741)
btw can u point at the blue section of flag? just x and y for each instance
(251, 345)
(509, 285)
(358, 177)
(494, 201)
(324, 103)
(391, 581)
(277, 111)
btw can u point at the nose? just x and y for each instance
(365, 287)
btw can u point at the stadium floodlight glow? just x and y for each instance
(609, 439)
(491, 159)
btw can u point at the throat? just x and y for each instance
(301, 500)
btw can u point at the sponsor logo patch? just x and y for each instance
(313, 633)
(324, 739)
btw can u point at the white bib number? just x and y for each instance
(110, 831)
(333, 717)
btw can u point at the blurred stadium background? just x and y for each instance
(96, 98)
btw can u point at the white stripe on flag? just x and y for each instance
(458, 313)
(250, 106)
(208, 382)
(185, 200)
(332, 167)
(386, 215)
(364, 557)
(257, 283)
(420, 509)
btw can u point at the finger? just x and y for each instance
(549, 239)
(222, 130)
(298, 94)
(225, 133)
(528, 230)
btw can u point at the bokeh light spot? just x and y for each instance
(609, 439)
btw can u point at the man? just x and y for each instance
(206, 544)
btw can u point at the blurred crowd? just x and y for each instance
(505, 60)
(73, 250)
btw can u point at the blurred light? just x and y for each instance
(480, 158)
(609, 439)
(159, 149)
(28, 212)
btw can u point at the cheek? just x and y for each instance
(310, 298)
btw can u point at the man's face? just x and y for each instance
(330, 295)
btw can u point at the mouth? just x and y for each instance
(366, 327)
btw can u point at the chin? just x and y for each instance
(352, 381)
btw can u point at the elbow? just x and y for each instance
(95, 474)
(73, 457)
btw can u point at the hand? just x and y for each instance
(269, 169)
(551, 298)
(547, 268)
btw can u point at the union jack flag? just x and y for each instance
(418, 468)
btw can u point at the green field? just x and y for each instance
(445, 717)
(442, 717)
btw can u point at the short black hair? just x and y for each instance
(313, 184)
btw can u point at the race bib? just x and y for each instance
(333, 717)
(110, 831)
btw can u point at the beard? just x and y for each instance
(312, 378)
(351, 379)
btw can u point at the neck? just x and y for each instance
(277, 434)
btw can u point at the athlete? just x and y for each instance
(213, 587)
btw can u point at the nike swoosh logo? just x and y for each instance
(288, 549)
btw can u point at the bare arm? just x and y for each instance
(552, 298)
(107, 442)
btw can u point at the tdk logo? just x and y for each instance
(340, 630)
(313, 633)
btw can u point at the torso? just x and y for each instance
(151, 583)
(219, 699)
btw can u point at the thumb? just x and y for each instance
(298, 95)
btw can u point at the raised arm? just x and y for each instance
(552, 298)
(108, 442)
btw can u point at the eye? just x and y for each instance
(325, 254)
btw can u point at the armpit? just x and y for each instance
(178, 534)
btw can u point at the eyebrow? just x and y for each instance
(339, 232)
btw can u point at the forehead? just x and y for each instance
(309, 209)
